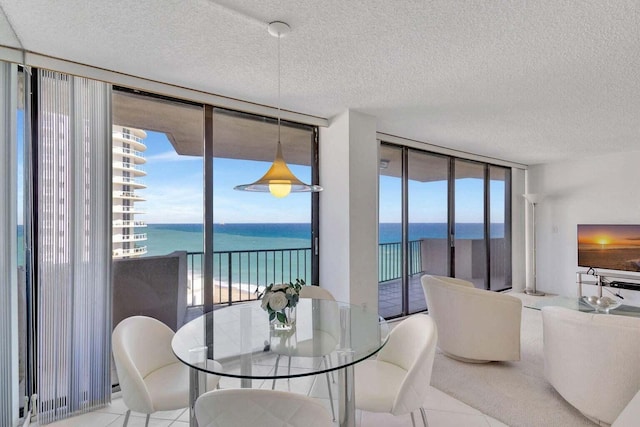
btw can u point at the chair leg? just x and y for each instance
(333, 411)
(146, 423)
(126, 418)
(413, 420)
(424, 417)
(289, 368)
(275, 373)
(328, 361)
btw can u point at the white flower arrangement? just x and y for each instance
(276, 298)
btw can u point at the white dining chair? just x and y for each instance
(310, 348)
(398, 379)
(259, 407)
(151, 377)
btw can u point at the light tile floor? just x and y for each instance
(442, 411)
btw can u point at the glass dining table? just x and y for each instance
(246, 346)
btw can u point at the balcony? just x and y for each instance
(117, 238)
(137, 156)
(126, 180)
(121, 223)
(130, 195)
(120, 252)
(238, 274)
(131, 167)
(126, 209)
(136, 141)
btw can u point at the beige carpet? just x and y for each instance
(515, 393)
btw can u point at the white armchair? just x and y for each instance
(592, 360)
(151, 377)
(474, 325)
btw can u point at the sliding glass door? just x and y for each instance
(443, 216)
(427, 221)
(499, 228)
(468, 222)
(390, 247)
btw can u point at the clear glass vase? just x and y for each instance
(289, 319)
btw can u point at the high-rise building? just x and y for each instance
(128, 146)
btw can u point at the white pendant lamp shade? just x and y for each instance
(279, 180)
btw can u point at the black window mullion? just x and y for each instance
(487, 228)
(405, 231)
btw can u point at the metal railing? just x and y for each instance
(128, 136)
(390, 260)
(237, 274)
(117, 253)
(129, 151)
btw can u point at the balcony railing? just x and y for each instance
(128, 180)
(128, 136)
(128, 166)
(237, 274)
(126, 209)
(119, 253)
(128, 223)
(126, 195)
(129, 237)
(390, 260)
(128, 151)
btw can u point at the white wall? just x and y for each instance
(349, 209)
(597, 190)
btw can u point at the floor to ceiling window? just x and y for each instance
(499, 228)
(390, 247)
(443, 216)
(469, 246)
(428, 251)
(259, 238)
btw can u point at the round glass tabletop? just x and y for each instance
(246, 345)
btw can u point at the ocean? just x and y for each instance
(250, 256)
(165, 238)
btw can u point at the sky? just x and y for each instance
(174, 192)
(175, 186)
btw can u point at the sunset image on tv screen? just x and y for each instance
(614, 247)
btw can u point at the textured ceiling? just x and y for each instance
(525, 81)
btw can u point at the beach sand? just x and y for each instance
(221, 294)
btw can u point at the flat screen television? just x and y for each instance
(612, 247)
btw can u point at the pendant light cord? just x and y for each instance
(279, 37)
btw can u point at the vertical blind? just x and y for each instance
(8, 250)
(73, 195)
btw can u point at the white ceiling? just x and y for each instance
(525, 81)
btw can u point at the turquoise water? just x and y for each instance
(166, 238)
(252, 269)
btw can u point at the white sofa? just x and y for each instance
(592, 360)
(474, 325)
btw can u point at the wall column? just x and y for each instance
(349, 209)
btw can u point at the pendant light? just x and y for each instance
(279, 180)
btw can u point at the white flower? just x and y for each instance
(279, 287)
(278, 301)
(265, 300)
(291, 291)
